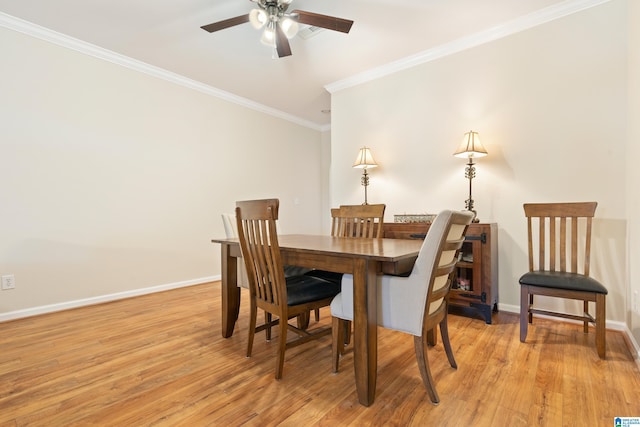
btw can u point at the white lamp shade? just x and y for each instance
(471, 146)
(365, 159)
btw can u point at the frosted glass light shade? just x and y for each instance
(269, 36)
(289, 27)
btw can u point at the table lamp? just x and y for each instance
(365, 161)
(470, 148)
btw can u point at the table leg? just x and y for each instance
(365, 329)
(230, 291)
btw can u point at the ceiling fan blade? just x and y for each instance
(323, 21)
(231, 22)
(282, 43)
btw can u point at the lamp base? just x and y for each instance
(469, 207)
(475, 216)
(365, 183)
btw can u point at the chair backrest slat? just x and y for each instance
(553, 241)
(357, 221)
(563, 239)
(587, 251)
(530, 240)
(573, 243)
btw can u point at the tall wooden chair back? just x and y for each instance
(259, 245)
(269, 290)
(559, 248)
(358, 221)
(555, 243)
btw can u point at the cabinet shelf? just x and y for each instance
(475, 283)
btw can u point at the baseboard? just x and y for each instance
(34, 311)
(634, 348)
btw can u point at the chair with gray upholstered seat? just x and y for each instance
(415, 304)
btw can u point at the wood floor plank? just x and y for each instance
(160, 360)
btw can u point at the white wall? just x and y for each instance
(114, 181)
(550, 105)
(633, 171)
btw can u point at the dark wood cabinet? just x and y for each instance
(475, 281)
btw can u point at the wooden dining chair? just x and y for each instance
(231, 232)
(415, 304)
(353, 221)
(358, 221)
(559, 257)
(269, 290)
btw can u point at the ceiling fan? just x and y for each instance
(280, 25)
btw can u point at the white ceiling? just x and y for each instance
(167, 34)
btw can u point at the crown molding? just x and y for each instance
(523, 23)
(42, 33)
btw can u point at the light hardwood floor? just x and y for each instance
(160, 360)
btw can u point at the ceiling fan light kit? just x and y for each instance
(258, 18)
(279, 25)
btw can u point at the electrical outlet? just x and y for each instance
(8, 282)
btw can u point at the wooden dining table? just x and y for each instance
(364, 258)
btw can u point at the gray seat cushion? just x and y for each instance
(563, 280)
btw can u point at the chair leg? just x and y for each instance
(420, 345)
(347, 332)
(282, 346)
(303, 320)
(267, 321)
(529, 306)
(432, 337)
(444, 332)
(601, 317)
(585, 308)
(525, 315)
(253, 313)
(317, 312)
(337, 341)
